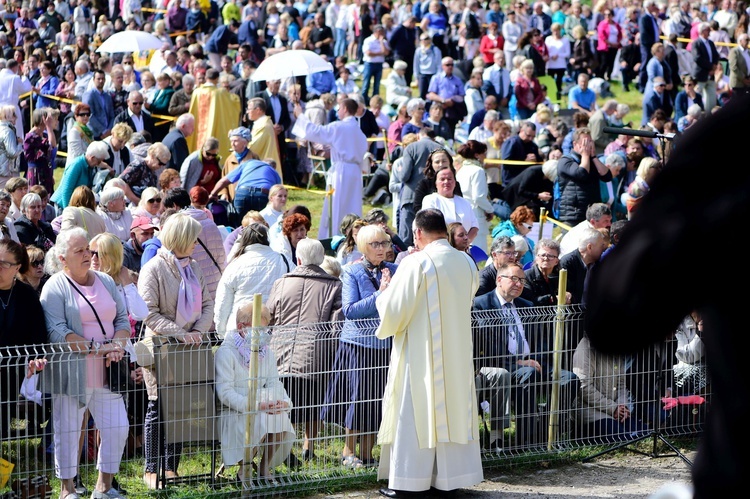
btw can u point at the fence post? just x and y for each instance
(252, 386)
(554, 415)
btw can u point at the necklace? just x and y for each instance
(6, 303)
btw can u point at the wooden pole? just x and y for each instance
(554, 417)
(252, 386)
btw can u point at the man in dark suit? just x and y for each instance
(648, 27)
(502, 251)
(591, 245)
(657, 98)
(278, 109)
(511, 357)
(135, 116)
(102, 109)
(176, 141)
(705, 57)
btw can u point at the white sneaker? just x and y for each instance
(110, 494)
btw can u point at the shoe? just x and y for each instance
(398, 494)
(81, 489)
(352, 462)
(496, 447)
(443, 493)
(307, 455)
(116, 486)
(110, 494)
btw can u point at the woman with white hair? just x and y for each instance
(80, 171)
(87, 318)
(180, 307)
(142, 173)
(112, 210)
(306, 295)
(30, 227)
(415, 109)
(397, 89)
(611, 191)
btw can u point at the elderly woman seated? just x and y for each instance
(272, 428)
(112, 210)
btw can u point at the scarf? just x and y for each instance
(241, 155)
(244, 346)
(86, 131)
(189, 296)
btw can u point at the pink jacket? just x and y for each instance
(602, 31)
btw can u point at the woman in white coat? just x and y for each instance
(272, 428)
(473, 181)
(254, 267)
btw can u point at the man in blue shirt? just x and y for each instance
(254, 179)
(102, 109)
(581, 97)
(320, 83)
(448, 90)
(222, 39)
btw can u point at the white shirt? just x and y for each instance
(373, 44)
(137, 121)
(455, 209)
(11, 88)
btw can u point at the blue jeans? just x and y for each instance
(371, 69)
(339, 48)
(249, 198)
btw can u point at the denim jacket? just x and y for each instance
(359, 292)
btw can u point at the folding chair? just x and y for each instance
(319, 166)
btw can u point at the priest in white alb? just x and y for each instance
(429, 433)
(348, 148)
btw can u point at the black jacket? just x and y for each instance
(525, 187)
(178, 147)
(30, 234)
(148, 121)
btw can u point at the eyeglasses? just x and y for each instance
(154, 200)
(379, 244)
(509, 254)
(84, 114)
(514, 279)
(137, 103)
(528, 226)
(448, 64)
(7, 265)
(547, 256)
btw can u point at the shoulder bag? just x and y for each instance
(118, 373)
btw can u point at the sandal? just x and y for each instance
(352, 462)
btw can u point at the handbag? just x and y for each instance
(117, 373)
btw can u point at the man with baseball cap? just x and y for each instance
(141, 230)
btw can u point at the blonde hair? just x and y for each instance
(109, 249)
(8, 112)
(275, 189)
(331, 266)
(122, 132)
(253, 216)
(368, 234)
(179, 233)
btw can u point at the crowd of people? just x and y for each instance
(171, 210)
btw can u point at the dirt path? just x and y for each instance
(625, 475)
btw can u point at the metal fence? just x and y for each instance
(203, 415)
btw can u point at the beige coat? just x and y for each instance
(307, 299)
(158, 284)
(85, 218)
(603, 383)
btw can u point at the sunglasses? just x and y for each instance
(210, 154)
(154, 200)
(162, 163)
(37, 263)
(94, 253)
(139, 103)
(84, 114)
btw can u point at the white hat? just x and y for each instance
(549, 168)
(399, 65)
(521, 245)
